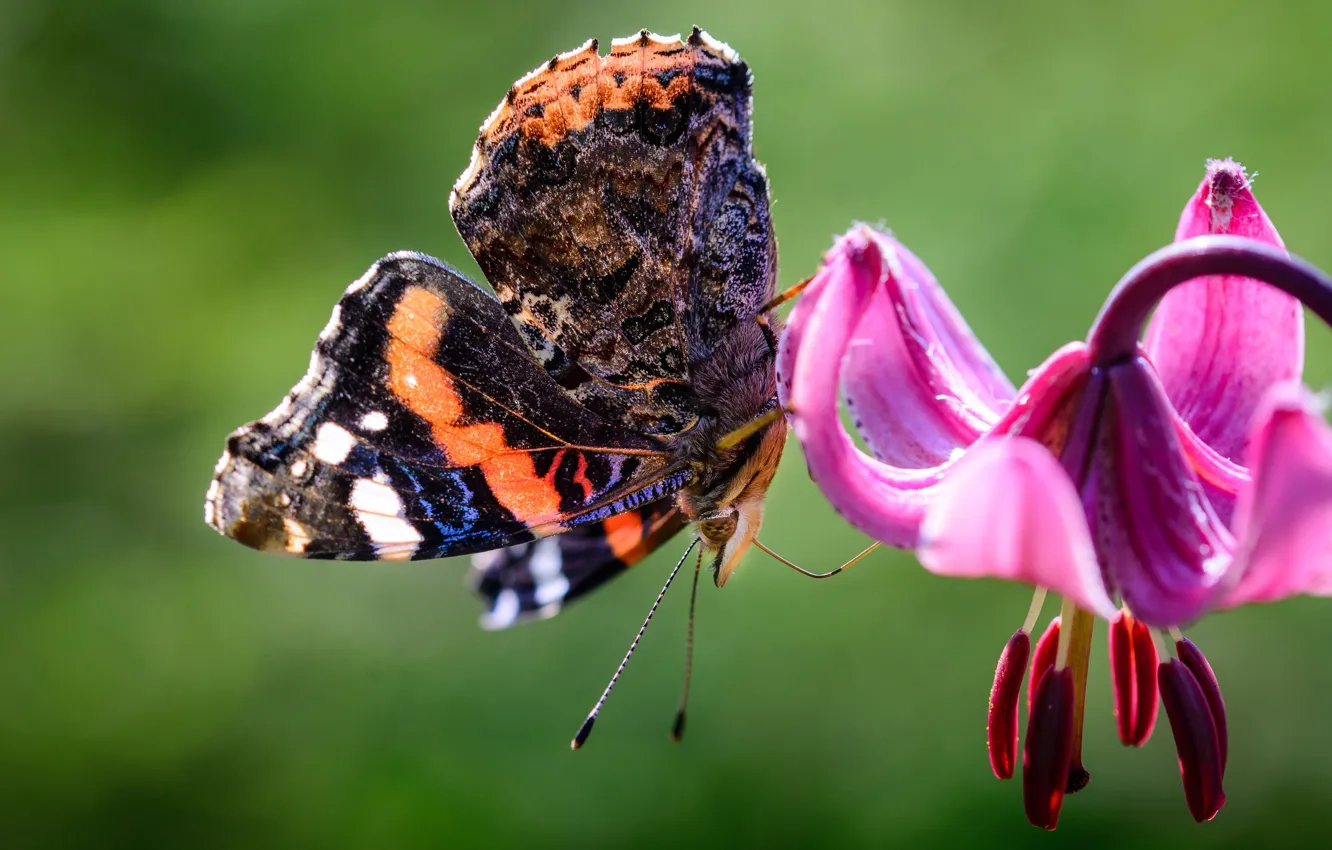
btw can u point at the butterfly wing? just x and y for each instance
(615, 206)
(426, 428)
(537, 579)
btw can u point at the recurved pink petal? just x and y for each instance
(1220, 343)
(1221, 479)
(1008, 510)
(1284, 518)
(1170, 553)
(918, 383)
(886, 502)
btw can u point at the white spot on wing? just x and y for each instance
(374, 497)
(375, 420)
(504, 612)
(545, 612)
(547, 561)
(379, 509)
(297, 537)
(333, 443)
(298, 468)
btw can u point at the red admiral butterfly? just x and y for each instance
(618, 386)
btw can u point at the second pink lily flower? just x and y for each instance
(1183, 473)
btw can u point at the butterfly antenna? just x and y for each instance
(677, 731)
(782, 298)
(586, 729)
(805, 572)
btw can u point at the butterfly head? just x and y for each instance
(730, 512)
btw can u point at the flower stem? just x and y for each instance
(1114, 336)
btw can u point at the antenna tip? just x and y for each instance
(677, 731)
(583, 732)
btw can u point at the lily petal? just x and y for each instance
(1221, 479)
(1220, 343)
(886, 502)
(1008, 510)
(1169, 552)
(918, 383)
(1284, 520)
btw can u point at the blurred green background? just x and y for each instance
(185, 189)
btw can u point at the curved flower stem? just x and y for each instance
(1114, 336)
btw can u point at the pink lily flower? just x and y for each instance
(1146, 482)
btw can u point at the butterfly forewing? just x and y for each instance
(425, 428)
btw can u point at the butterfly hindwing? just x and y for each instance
(426, 428)
(615, 205)
(537, 579)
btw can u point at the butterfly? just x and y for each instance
(616, 388)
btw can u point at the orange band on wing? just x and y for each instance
(580, 478)
(428, 391)
(624, 533)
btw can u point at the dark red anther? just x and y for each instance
(1193, 658)
(1002, 731)
(1195, 739)
(1148, 698)
(1133, 672)
(1122, 675)
(1042, 660)
(1048, 749)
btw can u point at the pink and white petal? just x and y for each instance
(905, 421)
(1221, 479)
(885, 502)
(1219, 343)
(975, 368)
(1284, 520)
(919, 384)
(1169, 553)
(1046, 401)
(1008, 510)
